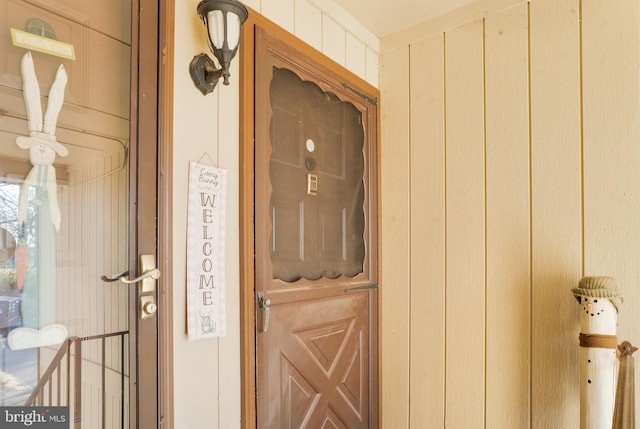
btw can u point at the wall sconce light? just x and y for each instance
(222, 19)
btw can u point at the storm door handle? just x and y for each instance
(146, 289)
(153, 273)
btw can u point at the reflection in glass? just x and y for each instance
(7, 245)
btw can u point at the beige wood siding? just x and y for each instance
(395, 248)
(428, 221)
(556, 211)
(464, 227)
(508, 219)
(510, 169)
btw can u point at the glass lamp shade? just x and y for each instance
(223, 19)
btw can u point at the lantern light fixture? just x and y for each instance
(222, 20)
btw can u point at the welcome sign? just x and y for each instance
(206, 251)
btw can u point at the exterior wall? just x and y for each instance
(510, 155)
(207, 372)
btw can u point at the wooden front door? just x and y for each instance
(78, 198)
(315, 241)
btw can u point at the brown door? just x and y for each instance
(316, 242)
(70, 87)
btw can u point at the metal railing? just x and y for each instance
(61, 382)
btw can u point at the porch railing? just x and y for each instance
(61, 382)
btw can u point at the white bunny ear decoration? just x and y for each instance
(39, 132)
(31, 91)
(41, 142)
(56, 99)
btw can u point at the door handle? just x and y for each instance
(264, 304)
(147, 302)
(154, 274)
(148, 277)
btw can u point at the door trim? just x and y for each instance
(165, 204)
(152, 111)
(247, 268)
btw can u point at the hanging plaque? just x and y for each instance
(206, 251)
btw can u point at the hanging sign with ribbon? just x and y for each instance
(206, 251)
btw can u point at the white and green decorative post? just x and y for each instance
(599, 300)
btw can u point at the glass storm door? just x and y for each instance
(67, 338)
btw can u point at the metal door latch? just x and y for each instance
(363, 287)
(264, 304)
